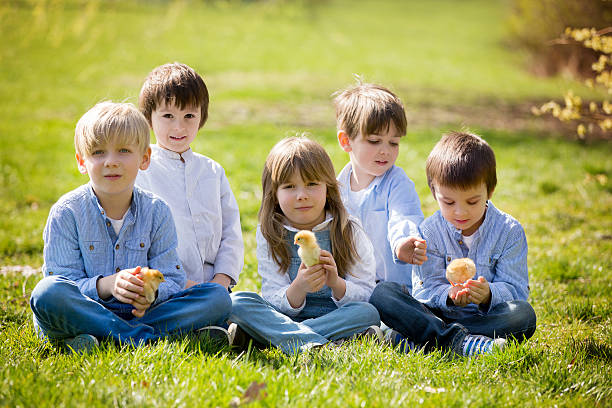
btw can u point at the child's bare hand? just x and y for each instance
(127, 286)
(459, 295)
(311, 279)
(412, 250)
(331, 270)
(479, 290)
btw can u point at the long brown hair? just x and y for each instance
(307, 157)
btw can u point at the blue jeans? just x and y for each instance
(62, 311)
(266, 325)
(428, 327)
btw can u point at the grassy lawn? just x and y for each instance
(271, 68)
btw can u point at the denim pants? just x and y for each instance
(428, 327)
(266, 325)
(62, 311)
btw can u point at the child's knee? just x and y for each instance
(49, 293)
(523, 319)
(245, 299)
(384, 291)
(369, 314)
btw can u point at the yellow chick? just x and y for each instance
(151, 278)
(309, 250)
(460, 270)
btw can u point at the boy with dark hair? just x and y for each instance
(475, 316)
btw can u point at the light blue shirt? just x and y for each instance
(389, 209)
(499, 252)
(81, 245)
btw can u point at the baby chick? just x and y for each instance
(460, 270)
(309, 250)
(151, 278)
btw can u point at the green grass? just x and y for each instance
(271, 68)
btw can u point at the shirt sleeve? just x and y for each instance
(511, 279)
(62, 253)
(404, 209)
(162, 253)
(274, 284)
(429, 282)
(230, 256)
(361, 280)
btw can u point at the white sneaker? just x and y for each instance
(479, 344)
(215, 333)
(373, 332)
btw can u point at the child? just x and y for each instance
(174, 99)
(371, 121)
(99, 236)
(464, 318)
(307, 306)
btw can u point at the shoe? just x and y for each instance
(217, 334)
(83, 343)
(374, 333)
(238, 337)
(396, 339)
(478, 344)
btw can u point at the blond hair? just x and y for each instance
(303, 155)
(111, 122)
(366, 109)
(176, 84)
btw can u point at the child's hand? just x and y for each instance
(131, 278)
(311, 279)
(333, 281)
(459, 295)
(479, 290)
(412, 250)
(222, 279)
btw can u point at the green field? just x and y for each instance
(271, 68)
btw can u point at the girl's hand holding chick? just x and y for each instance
(308, 280)
(332, 280)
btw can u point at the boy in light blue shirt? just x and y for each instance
(100, 235)
(475, 316)
(370, 121)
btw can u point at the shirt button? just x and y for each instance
(117, 270)
(117, 246)
(448, 259)
(108, 223)
(142, 244)
(178, 266)
(91, 247)
(460, 242)
(50, 272)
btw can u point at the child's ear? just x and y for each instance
(146, 159)
(344, 141)
(81, 164)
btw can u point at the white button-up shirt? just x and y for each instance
(204, 209)
(360, 280)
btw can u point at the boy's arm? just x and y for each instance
(274, 285)
(162, 253)
(405, 214)
(230, 255)
(510, 275)
(429, 283)
(62, 253)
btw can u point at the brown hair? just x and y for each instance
(463, 160)
(310, 159)
(109, 121)
(368, 109)
(174, 83)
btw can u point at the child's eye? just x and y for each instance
(97, 152)
(474, 203)
(449, 202)
(190, 116)
(124, 150)
(394, 144)
(287, 186)
(167, 116)
(373, 141)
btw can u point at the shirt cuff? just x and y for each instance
(290, 310)
(89, 287)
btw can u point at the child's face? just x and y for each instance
(465, 209)
(113, 167)
(175, 128)
(371, 155)
(302, 203)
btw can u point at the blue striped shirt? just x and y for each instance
(389, 210)
(81, 245)
(499, 252)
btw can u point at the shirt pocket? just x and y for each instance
(137, 251)
(485, 265)
(95, 255)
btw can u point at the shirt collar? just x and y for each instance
(94, 198)
(318, 227)
(169, 154)
(374, 183)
